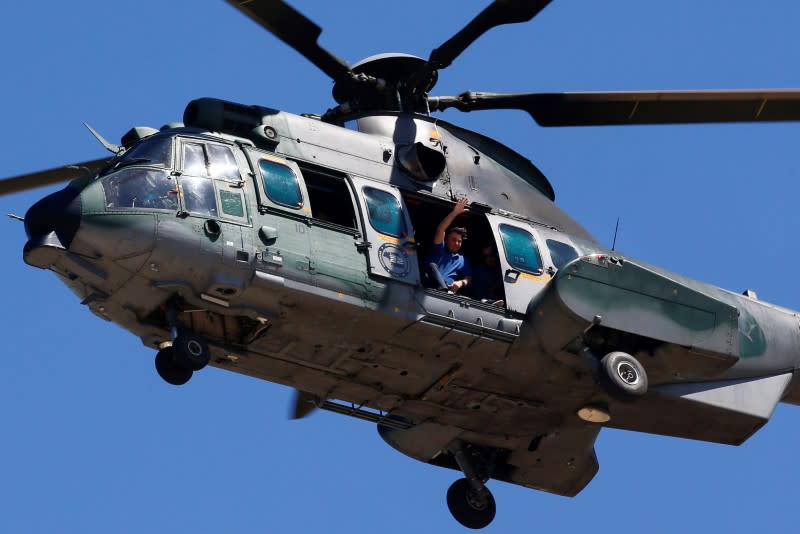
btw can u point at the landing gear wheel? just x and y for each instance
(191, 351)
(625, 372)
(170, 370)
(468, 507)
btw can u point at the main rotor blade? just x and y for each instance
(67, 173)
(497, 13)
(623, 108)
(294, 29)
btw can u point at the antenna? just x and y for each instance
(616, 229)
(111, 147)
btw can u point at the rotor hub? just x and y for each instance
(382, 82)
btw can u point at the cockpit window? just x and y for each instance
(210, 159)
(194, 159)
(141, 189)
(198, 196)
(560, 253)
(221, 163)
(153, 151)
(157, 150)
(521, 250)
(231, 202)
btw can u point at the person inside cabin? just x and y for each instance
(447, 268)
(487, 284)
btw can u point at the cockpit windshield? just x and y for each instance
(206, 181)
(154, 151)
(141, 189)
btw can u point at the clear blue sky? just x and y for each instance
(93, 441)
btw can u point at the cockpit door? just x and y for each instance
(521, 261)
(388, 235)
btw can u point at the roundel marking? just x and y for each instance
(394, 260)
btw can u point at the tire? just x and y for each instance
(191, 351)
(465, 506)
(170, 370)
(625, 372)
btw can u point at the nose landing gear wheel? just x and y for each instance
(468, 507)
(625, 372)
(170, 369)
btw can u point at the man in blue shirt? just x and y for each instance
(453, 268)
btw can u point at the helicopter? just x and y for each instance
(225, 290)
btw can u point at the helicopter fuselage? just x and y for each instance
(296, 249)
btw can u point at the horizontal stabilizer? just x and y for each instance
(727, 411)
(757, 397)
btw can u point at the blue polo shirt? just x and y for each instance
(452, 265)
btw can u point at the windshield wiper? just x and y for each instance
(124, 162)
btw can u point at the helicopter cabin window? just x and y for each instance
(329, 196)
(141, 189)
(153, 151)
(385, 212)
(560, 253)
(521, 250)
(281, 184)
(210, 159)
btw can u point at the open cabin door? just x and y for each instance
(523, 269)
(388, 235)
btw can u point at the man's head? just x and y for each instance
(454, 237)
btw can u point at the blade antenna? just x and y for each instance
(111, 147)
(614, 243)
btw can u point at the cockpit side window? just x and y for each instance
(560, 253)
(198, 196)
(521, 250)
(210, 159)
(230, 200)
(194, 159)
(221, 163)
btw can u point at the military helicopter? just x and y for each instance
(182, 239)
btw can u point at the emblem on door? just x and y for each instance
(394, 260)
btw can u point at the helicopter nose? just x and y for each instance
(51, 224)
